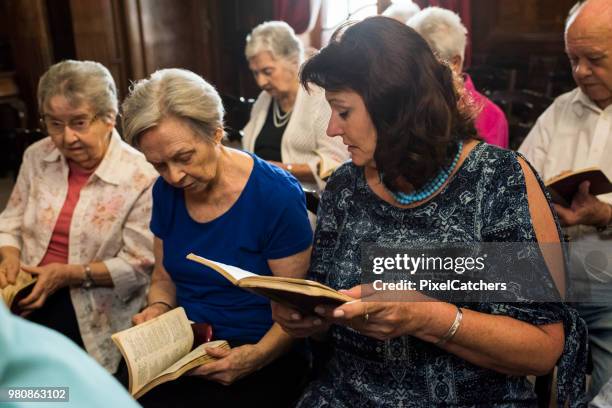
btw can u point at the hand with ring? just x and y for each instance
(297, 324)
(366, 316)
(380, 320)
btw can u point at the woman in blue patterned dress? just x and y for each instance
(404, 121)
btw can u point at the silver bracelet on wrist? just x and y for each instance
(452, 330)
(88, 281)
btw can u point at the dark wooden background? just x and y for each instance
(133, 38)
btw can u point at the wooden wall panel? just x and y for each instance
(31, 47)
(517, 27)
(525, 36)
(204, 36)
(135, 45)
(99, 35)
(59, 19)
(168, 33)
(237, 19)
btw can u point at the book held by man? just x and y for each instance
(301, 294)
(160, 350)
(563, 187)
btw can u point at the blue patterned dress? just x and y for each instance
(486, 201)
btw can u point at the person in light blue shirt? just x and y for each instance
(35, 356)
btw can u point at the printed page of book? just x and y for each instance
(7, 294)
(22, 281)
(155, 345)
(193, 355)
(195, 358)
(292, 284)
(235, 273)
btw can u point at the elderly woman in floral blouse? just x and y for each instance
(77, 219)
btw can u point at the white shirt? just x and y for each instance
(110, 223)
(305, 139)
(572, 134)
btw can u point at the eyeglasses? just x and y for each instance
(56, 127)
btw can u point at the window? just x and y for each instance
(335, 12)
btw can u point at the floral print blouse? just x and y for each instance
(110, 224)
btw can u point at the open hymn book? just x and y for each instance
(159, 350)
(301, 294)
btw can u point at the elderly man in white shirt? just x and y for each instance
(575, 132)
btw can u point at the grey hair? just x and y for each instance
(278, 38)
(401, 10)
(80, 82)
(172, 92)
(443, 31)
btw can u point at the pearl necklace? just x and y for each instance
(430, 187)
(279, 119)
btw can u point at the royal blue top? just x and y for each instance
(268, 221)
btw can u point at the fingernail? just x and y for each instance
(295, 316)
(317, 322)
(338, 313)
(319, 310)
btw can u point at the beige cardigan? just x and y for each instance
(304, 138)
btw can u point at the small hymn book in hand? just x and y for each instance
(161, 350)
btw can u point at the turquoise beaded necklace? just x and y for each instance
(430, 187)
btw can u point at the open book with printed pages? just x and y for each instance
(13, 294)
(563, 187)
(160, 350)
(301, 294)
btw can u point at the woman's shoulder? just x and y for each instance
(132, 162)
(343, 177)
(128, 152)
(313, 97)
(493, 159)
(273, 181)
(40, 148)
(488, 152)
(262, 101)
(490, 170)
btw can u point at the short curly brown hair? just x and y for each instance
(415, 103)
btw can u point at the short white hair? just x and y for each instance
(277, 38)
(401, 10)
(443, 31)
(80, 82)
(172, 92)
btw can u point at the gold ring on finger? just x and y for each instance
(366, 315)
